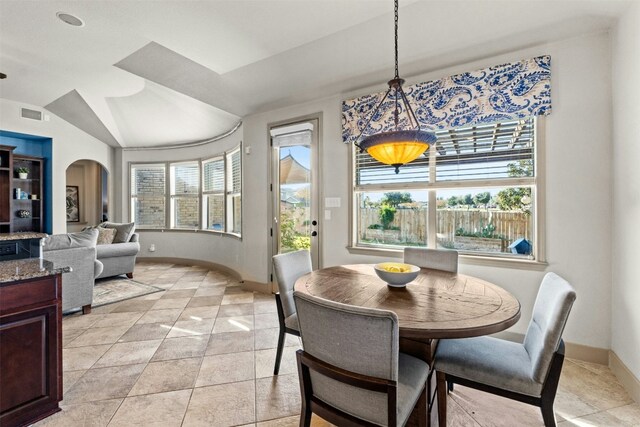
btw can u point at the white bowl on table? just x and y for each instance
(396, 274)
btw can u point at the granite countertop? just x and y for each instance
(30, 268)
(20, 236)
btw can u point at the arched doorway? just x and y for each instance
(87, 194)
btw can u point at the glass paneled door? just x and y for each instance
(295, 200)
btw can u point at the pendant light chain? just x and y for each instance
(395, 11)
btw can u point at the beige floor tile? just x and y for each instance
(162, 410)
(262, 307)
(230, 342)
(99, 336)
(82, 358)
(180, 293)
(239, 298)
(211, 291)
(165, 303)
(233, 324)
(91, 414)
(206, 283)
(128, 353)
(627, 413)
(266, 321)
(222, 405)
(204, 301)
(495, 411)
(181, 348)
(268, 338)
(294, 422)
(168, 375)
(599, 419)
(180, 284)
(118, 319)
(80, 321)
(105, 309)
(146, 332)
(69, 378)
(567, 405)
(456, 416)
(603, 391)
(161, 316)
(198, 313)
(104, 383)
(235, 310)
(134, 305)
(154, 296)
(69, 335)
(226, 368)
(184, 328)
(265, 361)
(277, 397)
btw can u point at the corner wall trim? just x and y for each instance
(263, 288)
(629, 381)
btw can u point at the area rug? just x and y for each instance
(117, 289)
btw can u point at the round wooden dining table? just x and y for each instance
(436, 305)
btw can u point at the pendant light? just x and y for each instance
(406, 141)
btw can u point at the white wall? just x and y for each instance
(203, 246)
(87, 176)
(69, 144)
(625, 327)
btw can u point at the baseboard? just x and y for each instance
(185, 261)
(629, 381)
(572, 350)
(249, 285)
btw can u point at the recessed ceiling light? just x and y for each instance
(70, 19)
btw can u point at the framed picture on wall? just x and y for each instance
(73, 204)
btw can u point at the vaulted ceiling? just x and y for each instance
(150, 73)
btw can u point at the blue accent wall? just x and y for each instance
(37, 146)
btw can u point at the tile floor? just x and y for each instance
(201, 353)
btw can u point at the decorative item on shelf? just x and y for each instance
(406, 141)
(34, 197)
(18, 193)
(24, 196)
(23, 173)
(23, 213)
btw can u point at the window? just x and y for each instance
(203, 194)
(234, 196)
(475, 192)
(148, 190)
(213, 194)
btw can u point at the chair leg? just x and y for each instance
(276, 369)
(305, 416)
(449, 386)
(441, 390)
(548, 415)
(86, 309)
(130, 275)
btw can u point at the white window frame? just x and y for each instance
(536, 183)
(174, 196)
(222, 193)
(169, 197)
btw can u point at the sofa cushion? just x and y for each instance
(106, 235)
(117, 249)
(123, 231)
(82, 239)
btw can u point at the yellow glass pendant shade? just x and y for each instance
(397, 153)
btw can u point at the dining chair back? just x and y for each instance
(438, 259)
(528, 372)
(351, 371)
(288, 267)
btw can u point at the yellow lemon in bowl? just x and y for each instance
(396, 273)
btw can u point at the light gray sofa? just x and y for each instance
(119, 258)
(78, 251)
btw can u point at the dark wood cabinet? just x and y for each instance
(30, 350)
(21, 198)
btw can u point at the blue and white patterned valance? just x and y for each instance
(503, 92)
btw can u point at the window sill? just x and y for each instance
(178, 230)
(505, 262)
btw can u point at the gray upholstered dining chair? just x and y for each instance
(438, 259)
(288, 268)
(527, 372)
(351, 371)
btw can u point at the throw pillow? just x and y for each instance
(81, 239)
(106, 235)
(123, 231)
